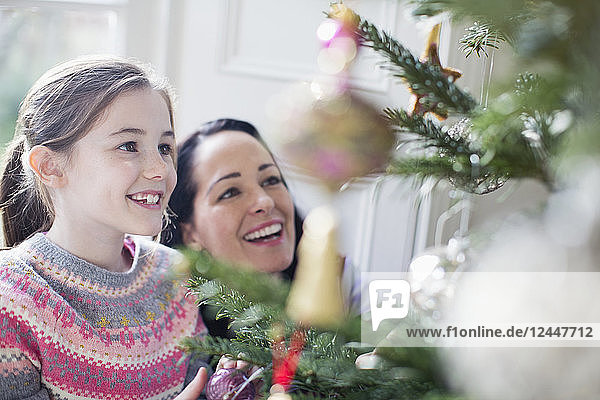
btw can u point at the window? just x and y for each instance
(35, 35)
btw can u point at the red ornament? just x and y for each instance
(286, 362)
(226, 383)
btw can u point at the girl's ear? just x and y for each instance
(48, 166)
(190, 238)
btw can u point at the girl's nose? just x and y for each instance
(155, 167)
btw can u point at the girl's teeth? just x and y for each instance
(148, 199)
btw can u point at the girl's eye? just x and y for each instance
(229, 193)
(129, 146)
(165, 149)
(272, 181)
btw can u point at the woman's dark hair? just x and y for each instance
(182, 199)
(59, 109)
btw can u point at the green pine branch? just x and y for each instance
(425, 132)
(257, 287)
(479, 37)
(257, 355)
(421, 78)
(458, 171)
(506, 16)
(250, 320)
(518, 136)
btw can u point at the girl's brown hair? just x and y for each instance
(59, 109)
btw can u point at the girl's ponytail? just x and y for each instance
(21, 206)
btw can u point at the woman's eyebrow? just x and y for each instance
(265, 166)
(228, 176)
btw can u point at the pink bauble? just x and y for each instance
(223, 384)
(337, 138)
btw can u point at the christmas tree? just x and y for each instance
(541, 125)
(325, 369)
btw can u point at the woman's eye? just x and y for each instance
(165, 149)
(272, 180)
(129, 146)
(229, 193)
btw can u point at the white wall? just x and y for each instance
(228, 58)
(236, 55)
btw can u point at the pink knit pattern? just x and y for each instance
(73, 336)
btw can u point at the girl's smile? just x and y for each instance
(148, 199)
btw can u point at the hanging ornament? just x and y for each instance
(324, 128)
(340, 12)
(285, 360)
(338, 138)
(420, 104)
(278, 393)
(229, 384)
(315, 297)
(472, 175)
(369, 360)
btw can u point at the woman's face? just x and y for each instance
(243, 213)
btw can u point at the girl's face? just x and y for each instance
(243, 213)
(121, 173)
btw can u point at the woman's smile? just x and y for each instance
(269, 233)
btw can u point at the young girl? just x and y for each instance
(86, 311)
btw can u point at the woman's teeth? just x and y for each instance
(261, 233)
(146, 198)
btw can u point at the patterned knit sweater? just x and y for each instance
(72, 330)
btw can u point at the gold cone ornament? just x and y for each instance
(315, 297)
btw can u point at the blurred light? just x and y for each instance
(561, 122)
(346, 45)
(317, 90)
(327, 30)
(531, 135)
(331, 60)
(570, 217)
(422, 267)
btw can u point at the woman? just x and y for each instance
(232, 200)
(229, 187)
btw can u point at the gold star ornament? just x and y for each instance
(431, 55)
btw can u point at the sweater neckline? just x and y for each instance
(78, 266)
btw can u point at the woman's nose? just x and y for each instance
(263, 203)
